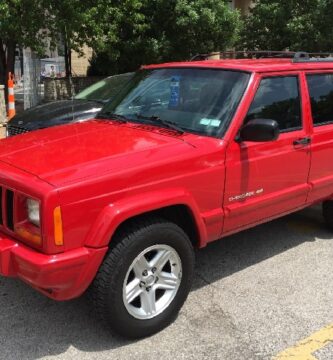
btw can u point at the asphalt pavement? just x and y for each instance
(255, 294)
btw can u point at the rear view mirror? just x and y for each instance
(259, 130)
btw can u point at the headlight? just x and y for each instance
(33, 211)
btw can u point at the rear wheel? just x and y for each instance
(145, 279)
(328, 213)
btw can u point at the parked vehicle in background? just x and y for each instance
(85, 105)
(185, 153)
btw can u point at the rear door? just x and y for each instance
(320, 87)
(267, 179)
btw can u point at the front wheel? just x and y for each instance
(145, 279)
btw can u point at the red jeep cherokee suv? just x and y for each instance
(185, 154)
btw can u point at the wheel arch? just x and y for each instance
(175, 206)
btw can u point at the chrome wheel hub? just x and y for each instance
(152, 281)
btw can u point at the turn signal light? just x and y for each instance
(58, 234)
(26, 234)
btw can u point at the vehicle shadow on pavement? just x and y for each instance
(244, 249)
(33, 326)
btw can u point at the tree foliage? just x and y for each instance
(42, 23)
(127, 32)
(289, 24)
(21, 22)
(74, 23)
(148, 31)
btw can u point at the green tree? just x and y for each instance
(21, 22)
(75, 23)
(324, 25)
(128, 32)
(149, 31)
(289, 24)
(201, 26)
(40, 23)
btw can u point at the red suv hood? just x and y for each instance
(69, 153)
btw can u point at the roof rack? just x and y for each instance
(304, 57)
(297, 57)
(258, 54)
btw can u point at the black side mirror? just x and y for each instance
(259, 130)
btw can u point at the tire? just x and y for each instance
(145, 243)
(328, 213)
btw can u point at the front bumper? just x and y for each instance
(61, 277)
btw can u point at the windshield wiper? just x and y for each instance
(166, 123)
(110, 115)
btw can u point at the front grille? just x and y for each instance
(16, 130)
(7, 208)
(10, 209)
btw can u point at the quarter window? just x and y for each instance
(278, 99)
(321, 94)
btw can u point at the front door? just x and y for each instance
(267, 179)
(320, 86)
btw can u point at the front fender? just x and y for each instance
(114, 214)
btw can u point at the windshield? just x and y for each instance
(105, 89)
(197, 100)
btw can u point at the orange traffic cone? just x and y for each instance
(11, 98)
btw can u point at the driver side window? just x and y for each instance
(278, 99)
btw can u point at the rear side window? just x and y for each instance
(278, 99)
(321, 94)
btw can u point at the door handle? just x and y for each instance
(302, 141)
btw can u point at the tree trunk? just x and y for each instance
(2, 63)
(11, 45)
(68, 59)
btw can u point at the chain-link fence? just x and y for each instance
(35, 71)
